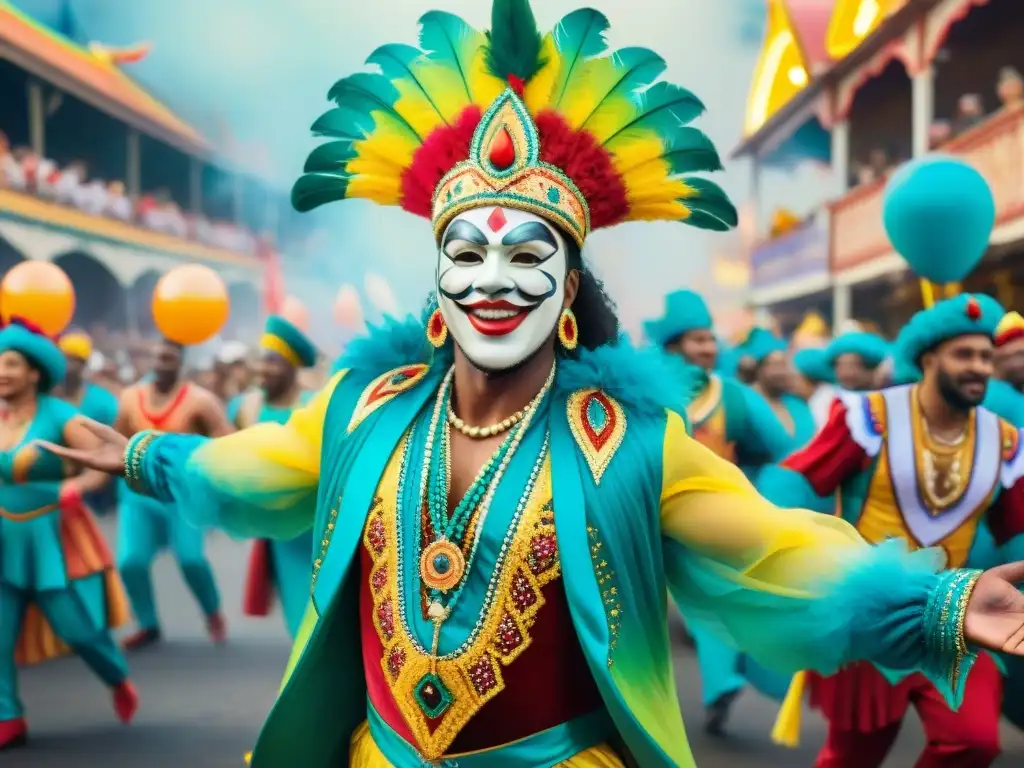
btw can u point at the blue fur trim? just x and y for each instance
(643, 380)
(392, 344)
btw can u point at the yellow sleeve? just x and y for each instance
(257, 482)
(709, 507)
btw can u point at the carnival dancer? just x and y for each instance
(925, 463)
(773, 380)
(814, 382)
(92, 401)
(147, 526)
(282, 566)
(499, 511)
(59, 591)
(854, 357)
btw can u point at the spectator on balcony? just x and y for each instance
(65, 188)
(118, 206)
(1010, 87)
(91, 197)
(970, 110)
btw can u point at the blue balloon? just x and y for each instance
(939, 214)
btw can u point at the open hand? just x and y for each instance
(106, 456)
(995, 613)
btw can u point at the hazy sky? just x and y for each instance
(263, 67)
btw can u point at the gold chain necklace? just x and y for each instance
(480, 433)
(950, 451)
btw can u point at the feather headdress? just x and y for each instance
(554, 124)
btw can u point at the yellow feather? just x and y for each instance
(445, 87)
(387, 147)
(613, 114)
(651, 182)
(484, 86)
(384, 190)
(589, 89)
(637, 151)
(415, 108)
(659, 210)
(537, 94)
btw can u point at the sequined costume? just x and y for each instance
(59, 591)
(895, 481)
(281, 567)
(549, 646)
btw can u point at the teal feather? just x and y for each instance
(315, 189)
(578, 37)
(331, 157)
(662, 109)
(367, 93)
(344, 123)
(396, 62)
(637, 68)
(445, 38)
(710, 208)
(689, 149)
(514, 42)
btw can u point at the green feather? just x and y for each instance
(661, 109)
(331, 157)
(514, 42)
(578, 37)
(396, 62)
(450, 42)
(711, 207)
(315, 189)
(344, 123)
(635, 68)
(367, 93)
(689, 149)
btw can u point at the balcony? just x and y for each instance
(995, 147)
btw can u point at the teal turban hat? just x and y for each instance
(685, 311)
(968, 314)
(813, 364)
(869, 347)
(761, 342)
(283, 338)
(25, 338)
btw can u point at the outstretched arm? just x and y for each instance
(259, 482)
(798, 590)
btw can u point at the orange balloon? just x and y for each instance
(295, 312)
(39, 292)
(190, 304)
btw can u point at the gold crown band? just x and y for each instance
(523, 182)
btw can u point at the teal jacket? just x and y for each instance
(666, 512)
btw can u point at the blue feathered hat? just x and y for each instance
(283, 338)
(685, 311)
(965, 315)
(23, 337)
(869, 347)
(761, 342)
(813, 363)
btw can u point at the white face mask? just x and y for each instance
(500, 284)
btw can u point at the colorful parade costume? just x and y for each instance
(59, 591)
(540, 638)
(284, 567)
(146, 526)
(877, 453)
(812, 363)
(1002, 397)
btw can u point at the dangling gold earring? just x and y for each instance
(437, 329)
(568, 330)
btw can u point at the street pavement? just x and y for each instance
(202, 706)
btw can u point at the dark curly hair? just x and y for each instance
(594, 309)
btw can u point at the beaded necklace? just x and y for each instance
(443, 566)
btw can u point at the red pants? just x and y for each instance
(965, 739)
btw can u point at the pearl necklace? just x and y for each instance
(480, 433)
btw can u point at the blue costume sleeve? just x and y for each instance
(787, 488)
(799, 590)
(259, 482)
(763, 433)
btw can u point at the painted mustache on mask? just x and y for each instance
(531, 299)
